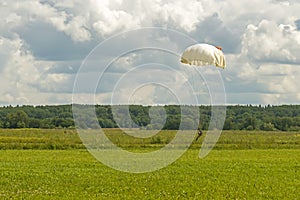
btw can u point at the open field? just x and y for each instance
(244, 165)
(224, 174)
(69, 139)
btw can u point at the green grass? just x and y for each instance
(39, 139)
(224, 174)
(243, 165)
(69, 139)
(259, 140)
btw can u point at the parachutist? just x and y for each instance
(199, 134)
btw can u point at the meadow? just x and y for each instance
(53, 164)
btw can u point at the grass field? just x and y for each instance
(244, 165)
(69, 139)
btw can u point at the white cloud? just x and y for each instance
(22, 76)
(270, 42)
(282, 79)
(262, 44)
(123, 15)
(20, 13)
(267, 68)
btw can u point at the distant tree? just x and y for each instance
(229, 124)
(34, 123)
(249, 121)
(106, 123)
(267, 127)
(250, 117)
(282, 123)
(17, 119)
(187, 124)
(172, 122)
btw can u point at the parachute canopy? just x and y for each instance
(204, 54)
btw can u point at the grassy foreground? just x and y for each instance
(244, 165)
(224, 174)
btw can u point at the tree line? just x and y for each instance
(171, 117)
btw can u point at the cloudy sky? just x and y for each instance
(47, 56)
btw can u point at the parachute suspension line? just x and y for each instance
(191, 73)
(195, 80)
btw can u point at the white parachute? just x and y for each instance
(204, 54)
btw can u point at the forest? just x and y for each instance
(168, 117)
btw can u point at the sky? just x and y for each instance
(118, 51)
